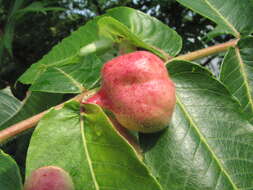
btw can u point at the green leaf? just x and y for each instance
(208, 144)
(114, 29)
(145, 31)
(65, 53)
(40, 7)
(70, 78)
(8, 106)
(9, 27)
(15, 7)
(89, 148)
(231, 16)
(10, 178)
(1, 50)
(12, 110)
(237, 74)
(8, 36)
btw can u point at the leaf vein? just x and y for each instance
(77, 84)
(88, 155)
(244, 75)
(202, 138)
(223, 18)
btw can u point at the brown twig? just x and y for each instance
(29, 123)
(205, 51)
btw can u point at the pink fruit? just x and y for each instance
(136, 87)
(49, 178)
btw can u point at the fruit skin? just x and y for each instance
(49, 178)
(136, 87)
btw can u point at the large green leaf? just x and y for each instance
(237, 74)
(70, 78)
(12, 110)
(10, 178)
(145, 31)
(209, 143)
(63, 61)
(231, 16)
(65, 53)
(89, 148)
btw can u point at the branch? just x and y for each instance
(205, 51)
(32, 121)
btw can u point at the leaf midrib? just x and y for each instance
(87, 154)
(223, 18)
(76, 83)
(244, 75)
(202, 138)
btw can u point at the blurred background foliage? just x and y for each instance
(30, 28)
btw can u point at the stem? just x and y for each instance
(32, 121)
(205, 51)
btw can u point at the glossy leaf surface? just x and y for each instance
(231, 16)
(237, 74)
(70, 78)
(10, 178)
(209, 143)
(144, 30)
(62, 62)
(89, 149)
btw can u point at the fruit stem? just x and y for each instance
(205, 51)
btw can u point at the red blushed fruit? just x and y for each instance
(136, 87)
(49, 178)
